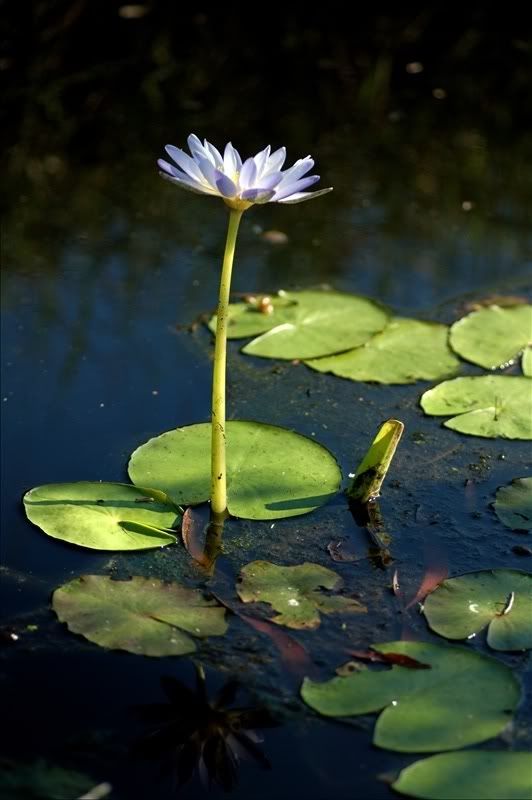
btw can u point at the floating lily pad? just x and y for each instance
(464, 698)
(513, 504)
(104, 516)
(294, 592)
(271, 472)
(526, 361)
(323, 323)
(252, 318)
(490, 405)
(142, 615)
(40, 779)
(494, 336)
(406, 351)
(472, 775)
(501, 598)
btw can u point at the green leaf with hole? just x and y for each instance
(472, 775)
(501, 599)
(142, 615)
(513, 504)
(271, 472)
(493, 336)
(295, 592)
(406, 351)
(464, 698)
(254, 317)
(104, 516)
(323, 323)
(489, 406)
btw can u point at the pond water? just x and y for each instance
(106, 266)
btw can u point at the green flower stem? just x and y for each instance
(218, 461)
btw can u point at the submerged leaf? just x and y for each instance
(513, 504)
(490, 405)
(463, 699)
(271, 472)
(104, 516)
(474, 774)
(406, 351)
(142, 615)
(374, 467)
(492, 337)
(502, 598)
(294, 592)
(323, 322)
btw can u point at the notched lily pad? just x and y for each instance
(494, 336)
(501, 599)
(323, 322)
(271, 472)
(142, 615)
(104, 516)
(513, 504)
(406, 351)
(464, 698)
(489, 406)
(258, 314)
(471, 775)
(294, 592)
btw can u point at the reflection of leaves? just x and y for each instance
(464, 698)
(40, 779)
(294, 592)
(103, 516)
(490, 405)
(272, 472)
(190, 731)
(142, 615)
(513, 504)
(501, 599)
(468, 776)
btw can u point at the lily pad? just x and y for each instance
(494, 336)
(406, 351)
(294, 592)
(489, 406)
(513, 504)
(502, 598)
(526, 361)
(142, 615)
(104, 516)
(474, 774)
(271, 472)
(323, 323)
(464, 698)
(252, 318)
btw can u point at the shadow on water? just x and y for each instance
(419, 119)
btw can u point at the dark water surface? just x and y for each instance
(104, 267)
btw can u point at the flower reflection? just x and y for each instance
(191, 732)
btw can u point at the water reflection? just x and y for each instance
(194, 732)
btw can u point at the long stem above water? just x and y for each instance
(218, 461)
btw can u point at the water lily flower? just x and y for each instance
(240, 183)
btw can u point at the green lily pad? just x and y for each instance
(406, 351)
(41, 779)
(493, 336)
(490, 405)
(271, 472)
(502, 598)
(472, 775)
(513, 504)
(464, 698)
(104, 516)
(526, 361)
(294, 592)
(322, 323)
(142, 615)
(247, 319)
